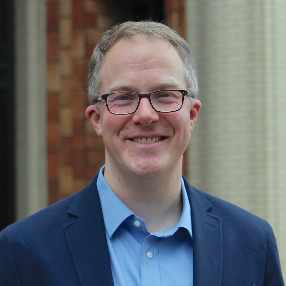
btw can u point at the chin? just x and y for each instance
(147, 169)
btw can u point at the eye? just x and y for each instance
(118, 96)
(166, 96)
(122, 99)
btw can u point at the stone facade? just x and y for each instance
(238, 148)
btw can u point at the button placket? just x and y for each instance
(150, 262)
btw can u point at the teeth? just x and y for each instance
(147, 140)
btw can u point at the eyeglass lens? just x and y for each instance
(162, 101)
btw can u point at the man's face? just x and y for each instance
(143, 65)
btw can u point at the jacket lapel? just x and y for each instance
(85, 233)
(207, 240)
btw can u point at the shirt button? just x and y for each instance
(149, 254)
(136, 223)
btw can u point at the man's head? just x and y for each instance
(133, 30)
(149, 72)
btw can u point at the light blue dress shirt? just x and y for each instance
(142, 258)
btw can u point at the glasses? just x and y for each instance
(127, 102)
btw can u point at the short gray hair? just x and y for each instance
(131, 30)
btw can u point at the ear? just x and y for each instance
(195, 108)
(93, 114)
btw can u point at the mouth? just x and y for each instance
(148, 140)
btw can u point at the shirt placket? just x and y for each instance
(150, 262)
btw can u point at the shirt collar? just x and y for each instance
(186, 219)
(113, 209)
(119, 212)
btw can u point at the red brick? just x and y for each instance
(94, 142)
(52, 16)
(67, 181)
(78, 164)
(53, 136)
(66, 62)
(99, 147)
(66, 94)
(53, 77)
(78, 185)
(53, 192)
(67, 150)
(182, 4)
(53, 46)
(78, 137)
(89, 50)
(182, 29)
(53, 166)
(89, 130)
(90, 20)
(53, 107)
(171, 5)
(65, 7)
(93, 36)
(77, 13)
(94, 157)
(174, 20)
(78, 46)
(79, 80)
(104, 22)
(96, 7)
(66, 121)
(92, 170)
(65, 32)
(90, 142)
(78, 104)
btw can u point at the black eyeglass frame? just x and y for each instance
(141, 95)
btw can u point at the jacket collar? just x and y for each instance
(207, 240)
(85, 232)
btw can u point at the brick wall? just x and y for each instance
(75, 152)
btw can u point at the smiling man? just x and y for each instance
(139, 222)
(146, 145)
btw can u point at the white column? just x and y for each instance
(238, 147)
(31, 126)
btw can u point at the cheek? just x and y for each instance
(111, 125)
(182, 121)
(183, 128)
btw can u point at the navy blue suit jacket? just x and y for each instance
(65, 244)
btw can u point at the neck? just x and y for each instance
(155, 198)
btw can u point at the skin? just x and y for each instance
(146, 177)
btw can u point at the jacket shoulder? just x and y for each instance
(232, 215)
(54, 216)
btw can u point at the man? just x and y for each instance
(139, 222)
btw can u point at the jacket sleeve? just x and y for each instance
(8, 269)
(273, 273)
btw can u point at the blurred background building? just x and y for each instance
(49, 150)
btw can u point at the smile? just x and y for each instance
(147, 140)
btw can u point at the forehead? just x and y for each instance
(143, 59)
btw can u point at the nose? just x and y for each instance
(145, 114)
